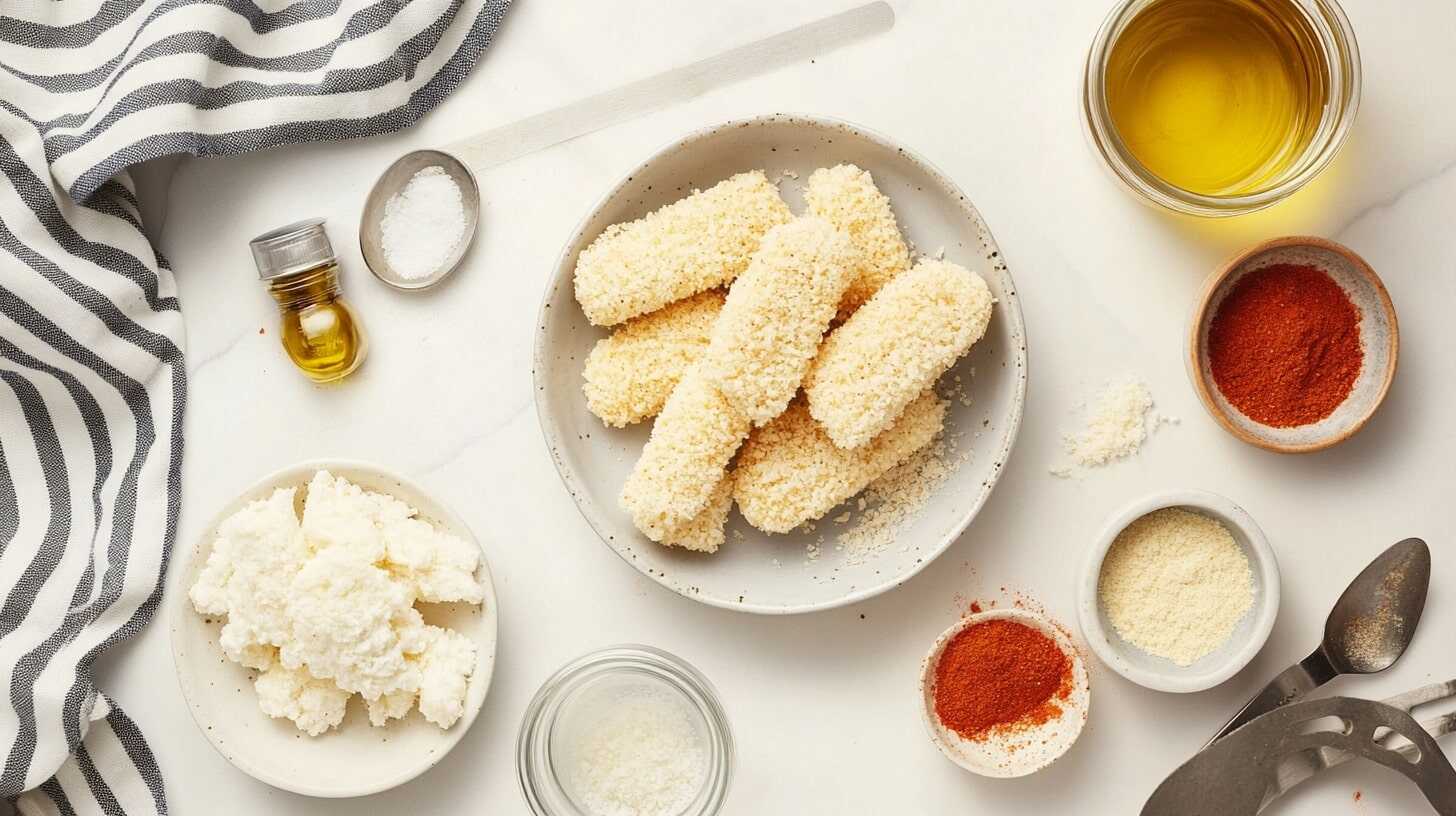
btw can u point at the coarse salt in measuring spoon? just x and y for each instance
(422, 224)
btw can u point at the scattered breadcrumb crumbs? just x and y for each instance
(776, 315)
(790, 472)
(847, 197)
(896, 497)
(895, 347)
(701, 242)
(684, 459)
(1116, 424)
(629, 375)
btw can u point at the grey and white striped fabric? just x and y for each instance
(92, 383)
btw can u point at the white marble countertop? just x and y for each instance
(824, 706)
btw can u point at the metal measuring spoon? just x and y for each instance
(390, 182)
(1368, 630)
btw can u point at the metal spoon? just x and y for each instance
(1368, 630)
(391, 182)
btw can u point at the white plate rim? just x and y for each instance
(480, 682)
(1012, 309)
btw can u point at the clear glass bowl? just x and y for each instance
(550, 712)
(1342, 63)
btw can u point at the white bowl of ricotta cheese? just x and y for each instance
(353, 758)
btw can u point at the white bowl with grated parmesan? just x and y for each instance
(1223, 627)
(874, 541)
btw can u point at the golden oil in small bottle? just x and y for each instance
(1218, 97)
(320, 332)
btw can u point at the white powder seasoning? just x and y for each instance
(633, 748)
(422, 224)
(1176, 584)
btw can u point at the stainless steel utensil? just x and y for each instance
(391, 181)
(1299, 767)
(1369, 629)
(1233, 777)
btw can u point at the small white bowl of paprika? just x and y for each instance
(1004, 693)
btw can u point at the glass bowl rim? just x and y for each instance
(691, 685)
(1342, 50)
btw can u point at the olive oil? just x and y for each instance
(1217, 97)
(320, 333)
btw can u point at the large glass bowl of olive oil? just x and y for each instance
(1221, 107)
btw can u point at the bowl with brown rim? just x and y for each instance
(1379, 341)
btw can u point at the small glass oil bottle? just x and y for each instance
(320, 332)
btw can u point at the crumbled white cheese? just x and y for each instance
(326, 607)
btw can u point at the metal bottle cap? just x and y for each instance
(292, 248)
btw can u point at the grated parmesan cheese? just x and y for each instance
(1175, 584)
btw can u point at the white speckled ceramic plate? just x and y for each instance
(753, 571)
(356, 758)
(1379, 337)
(1021, 751)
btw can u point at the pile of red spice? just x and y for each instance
(1284, 346)
(999, 676)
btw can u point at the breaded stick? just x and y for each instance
(776, 315)
(704, 532)
(894, 347)
(699, 243)
(847, 197)
(684, 459)
(791, 472)
(629, 375)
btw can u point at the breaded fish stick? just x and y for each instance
(847, 197)
(684, 459)
(629, 375)
(699, 243)
(894, 347)
(791, 472)
(704, 532)
(776, 315)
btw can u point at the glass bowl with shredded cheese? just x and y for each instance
(625, 731)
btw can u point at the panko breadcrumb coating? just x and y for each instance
(776, 315)
(704, 532)
(629, 375)
(894, 347)
(847, 197)
(684, 458)
(791, 472)
(701, 242)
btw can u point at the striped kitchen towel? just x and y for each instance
(92, 383)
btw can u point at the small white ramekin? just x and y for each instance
(1228, 659)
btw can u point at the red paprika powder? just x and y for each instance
(1284, 347)
(1000, 675)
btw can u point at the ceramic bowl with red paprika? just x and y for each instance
(1004, 692)
(1293, 344)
